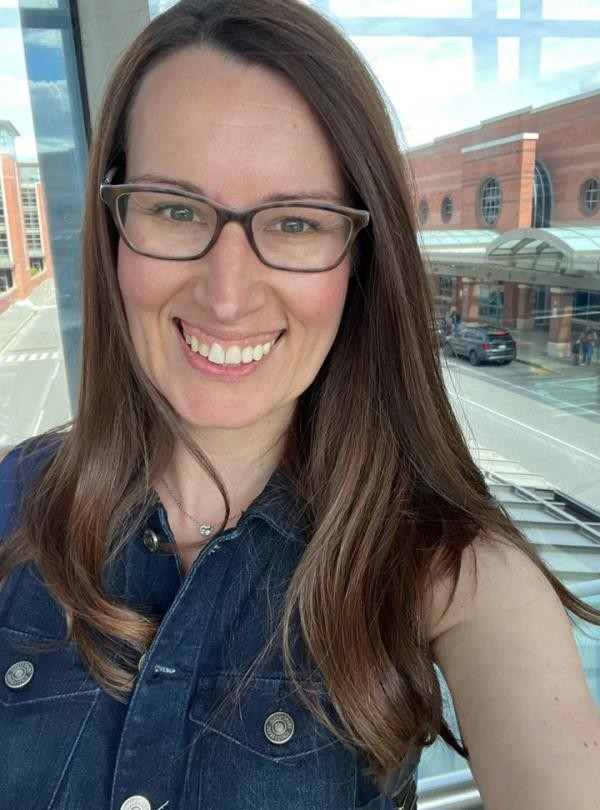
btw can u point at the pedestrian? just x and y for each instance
(587, 346)
(228, 583)
(576, 350)
(455, 319)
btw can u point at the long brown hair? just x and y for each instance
(392, 495)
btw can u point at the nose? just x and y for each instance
(230, 284)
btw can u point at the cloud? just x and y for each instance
(50, 100)
(401, 8)
(581, 10)
(12, 58)
(43, 38)
(26, 148)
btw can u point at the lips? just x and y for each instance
(230, 351)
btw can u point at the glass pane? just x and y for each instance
(36, 125)
(503, 119)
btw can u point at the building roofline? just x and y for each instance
(530, 110)
(8, 125)
(520, 136)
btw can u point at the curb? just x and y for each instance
(536, 365)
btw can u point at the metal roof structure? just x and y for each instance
(474, 240)
(565, 532)
(568, 257)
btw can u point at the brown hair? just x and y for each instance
(392, 494)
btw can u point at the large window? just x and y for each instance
(501, 130)
(42, 169)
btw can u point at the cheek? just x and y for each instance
(324, 303)
(142, 288)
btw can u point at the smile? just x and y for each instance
(231, 354)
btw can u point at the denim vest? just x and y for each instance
(179, 742)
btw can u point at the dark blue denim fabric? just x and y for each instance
(180, 741)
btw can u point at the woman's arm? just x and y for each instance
(507, 651)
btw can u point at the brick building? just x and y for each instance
(510, 219)
(25, 259)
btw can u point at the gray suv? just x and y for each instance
(481, 344)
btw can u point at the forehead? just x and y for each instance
(232, 128)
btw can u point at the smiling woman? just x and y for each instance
(263, 529)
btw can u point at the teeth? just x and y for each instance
(216, 354)
(233, 356)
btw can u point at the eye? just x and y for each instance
(177, 213)
(294, 225)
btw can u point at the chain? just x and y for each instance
(205, 529)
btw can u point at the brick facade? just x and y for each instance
(24, 282)
(567, 146)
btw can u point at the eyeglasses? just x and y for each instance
(167, 223)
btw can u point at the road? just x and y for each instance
(549, 423)
(33, 385)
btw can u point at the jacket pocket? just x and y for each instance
(46, 698)
(265, 749)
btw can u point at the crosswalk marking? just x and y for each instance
(30, 357)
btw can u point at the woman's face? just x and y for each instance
(240, 136)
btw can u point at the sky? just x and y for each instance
(436, 83)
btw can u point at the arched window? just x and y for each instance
(541, 210)
(490, 201)
(423, 211)
(447, 209)
(589, 196)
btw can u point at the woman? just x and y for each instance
(262, 528)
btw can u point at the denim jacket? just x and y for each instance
(179, 742)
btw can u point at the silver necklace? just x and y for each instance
(204, 529)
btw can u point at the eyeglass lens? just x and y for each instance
(292, 237)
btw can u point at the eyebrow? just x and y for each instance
(296, 194)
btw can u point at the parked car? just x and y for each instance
(482, 344)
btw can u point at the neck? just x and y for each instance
(244, 459)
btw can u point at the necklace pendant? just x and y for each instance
(205, 529)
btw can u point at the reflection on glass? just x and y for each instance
(503, 120)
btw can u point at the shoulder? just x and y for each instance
(494, 574)
(18, 471)
(505, 646)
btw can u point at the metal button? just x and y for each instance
(151, 540)
(18, 675)
(141, 662)
(279, 728)
(136, 803)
